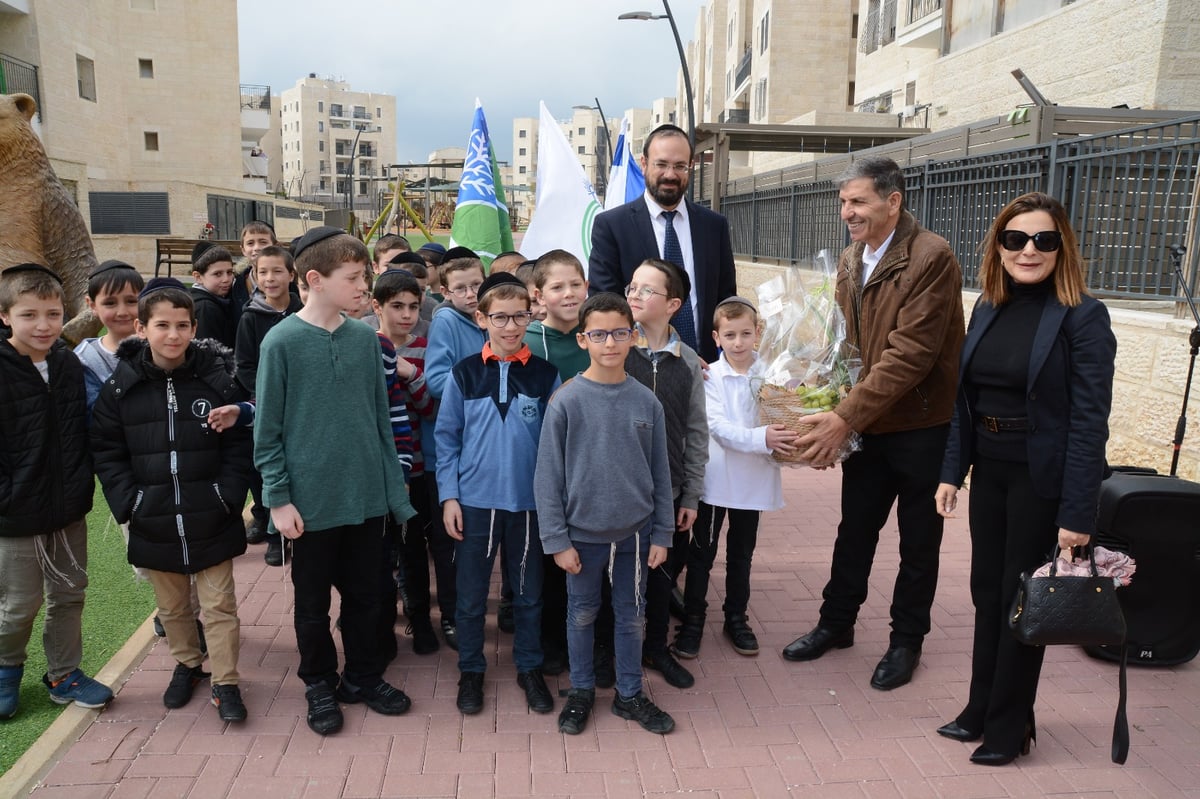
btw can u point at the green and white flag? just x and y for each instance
(481, 216)
(566, 202)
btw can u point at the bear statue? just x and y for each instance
(39, 223)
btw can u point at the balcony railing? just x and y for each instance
(19, 76)
(743, 68)
(257, 97)
(361, 115)
(919, 9)
(735, 115)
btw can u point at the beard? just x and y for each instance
(667, 194)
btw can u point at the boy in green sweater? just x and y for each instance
(560, 287)
(323, 443)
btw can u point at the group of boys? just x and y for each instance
(573, 446)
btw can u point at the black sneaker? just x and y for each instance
(644, 712)
(575, 712)
(381, 697)
(745, 642)
(256, 532)
(470, 692)
(227, 699)
(324, 715)
(425, 641)
(537, 695)
(688, 636)
(603, 667)
(504, 617)
(183, 683)
(274, 554)
(450, 633)
(675, 674)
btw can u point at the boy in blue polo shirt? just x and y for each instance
(488, 425)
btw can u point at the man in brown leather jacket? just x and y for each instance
(900, 288)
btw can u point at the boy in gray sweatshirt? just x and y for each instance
(602, 476)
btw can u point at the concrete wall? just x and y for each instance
(1151, 368)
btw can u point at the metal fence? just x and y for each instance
(1129, 193)
(19, 76)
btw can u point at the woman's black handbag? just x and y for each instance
(1064, 609)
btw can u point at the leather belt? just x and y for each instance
(997, 424)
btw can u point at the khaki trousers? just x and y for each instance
(218, 604)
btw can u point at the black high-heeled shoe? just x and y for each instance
(956, 732)
(987, 757)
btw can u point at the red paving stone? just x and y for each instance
(750, 727)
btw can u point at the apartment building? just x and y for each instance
(335, 143)
(951, 62)
(143, 118)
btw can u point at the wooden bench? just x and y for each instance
(174, 252)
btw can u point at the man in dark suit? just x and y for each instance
(698, 240)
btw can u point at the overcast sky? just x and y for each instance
(437, 56)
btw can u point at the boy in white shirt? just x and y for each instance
(740, 481)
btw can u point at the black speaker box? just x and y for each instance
(1156, 519)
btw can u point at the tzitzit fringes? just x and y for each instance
(637, 572)
(525, 553)
(59, 537)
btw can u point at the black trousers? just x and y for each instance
(702, 553)
(1012, 530)
(422, 539)
(901, 468)
(346, 558)
(659, 584)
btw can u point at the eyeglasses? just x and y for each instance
(600, 336)
(643, 292)
(1045, 241)
(663, 166)
(463, 291)
(501, 320)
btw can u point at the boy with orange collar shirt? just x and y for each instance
(488, 424)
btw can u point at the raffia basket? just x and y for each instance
(779, 406)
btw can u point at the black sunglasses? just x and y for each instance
(1045, 241)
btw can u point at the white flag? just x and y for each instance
(625, 179)
(566, 203)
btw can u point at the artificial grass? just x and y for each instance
(115, 606)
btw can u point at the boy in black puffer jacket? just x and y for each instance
(179, 483)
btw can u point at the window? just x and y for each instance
(323, 185)
(151, 141)
(760, 99)
(141, 5)
(521, 170)
(320, 126)
(335, 109)
(521, 133)
(322, 169)
(145, 68)
(378, 112)
(910, 93)
(146, 213)
(85, 73)
(764, 31)
(362, 188)
(850, 95)
(583, 131)
(582, 150)
(320, 106)
(321, 146)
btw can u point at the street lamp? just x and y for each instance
(687, 76)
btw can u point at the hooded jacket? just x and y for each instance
(258, 318)
(560, 349)
(216, 317)
(179, 484)
(45, 468)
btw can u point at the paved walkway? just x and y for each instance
(751, 727)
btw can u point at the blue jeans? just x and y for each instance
(474, 557)
(628, 580)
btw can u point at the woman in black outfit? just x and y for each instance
(1031, 418)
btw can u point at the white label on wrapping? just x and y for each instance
(771, 307)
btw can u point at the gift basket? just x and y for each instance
(809, 365)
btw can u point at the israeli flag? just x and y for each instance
(625, 180)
